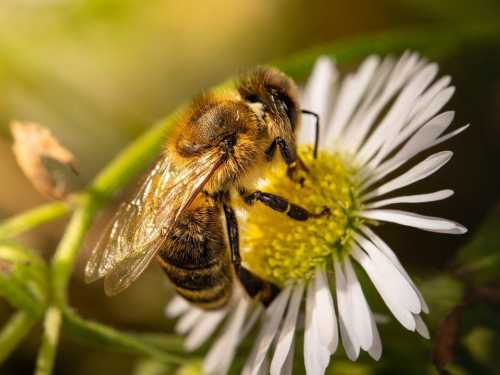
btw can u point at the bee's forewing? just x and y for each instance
(139, 227)
(131, 226)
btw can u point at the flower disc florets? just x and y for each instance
(281, 249)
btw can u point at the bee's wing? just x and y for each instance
(139, 227)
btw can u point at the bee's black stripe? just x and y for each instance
(203, 260)
(218, 293)
(195, 279)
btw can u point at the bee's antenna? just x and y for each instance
(316, 135)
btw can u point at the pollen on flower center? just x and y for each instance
(280, 249)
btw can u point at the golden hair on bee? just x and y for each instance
(278, 95)
(219, 148)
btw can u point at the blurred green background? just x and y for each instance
(99, 72)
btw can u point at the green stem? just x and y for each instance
(18, 296)
(109, 338)
(62, 267)
(30, 219)
(13, 332)
(69, 247)
(48, 349)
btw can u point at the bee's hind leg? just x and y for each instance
(253, 284)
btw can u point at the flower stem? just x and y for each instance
(125, 166)
(110, 338)
(48, 349)
(13, 332)
(61, 269)
(33, 218)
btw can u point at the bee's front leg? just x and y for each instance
(281, 204)
(292, 160)
(253, 284)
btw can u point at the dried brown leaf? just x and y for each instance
(42, 158)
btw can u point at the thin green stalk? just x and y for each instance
(109, 338)
(48, 349)
(30, 219)
(13, 332)
(69, 247)
(17, 295)
(62, 267)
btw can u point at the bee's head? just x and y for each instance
(274, 96)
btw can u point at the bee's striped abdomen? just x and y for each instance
(196, 260)
(207, 287)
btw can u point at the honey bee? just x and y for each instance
(220, 147)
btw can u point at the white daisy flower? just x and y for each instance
(374, 122)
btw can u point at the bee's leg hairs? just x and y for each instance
(253, 284)
(280, 204)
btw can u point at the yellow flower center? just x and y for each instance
(280, 249)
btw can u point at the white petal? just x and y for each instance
(365, 119)
(316, 356)
(450, 135)
(382, 246)
(424, 137)
(362, 313)
(412, 148)
(404, 316)
(202, 331)
(353, 88)
(432, 109)
(403, 121)
(288, 366)
(264, 368)
(220, 356)
(422, 328)
(428, 223)
(375, 350)
(286, 337)
(430, 95)
(271, 322)
(317, 97)
(324, 311)
(396, 284)
(351, 351)
(188, 320)
(250, 322)
(417, 198)
(176, 307)
(397, 116)
(422, 170)
(347, 320)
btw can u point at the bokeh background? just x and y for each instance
(99, 72)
